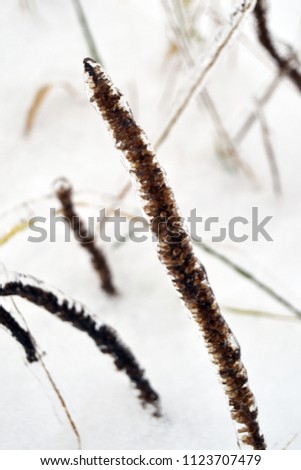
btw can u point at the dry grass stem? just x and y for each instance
(253, 115)
(270, 152)
(289, 63)
(38, 100)
(248, 275)
(184, 46)
(104, 337)
(27, 341)
(87, 31)
(220, 44)
(22, 336)
(64, 193)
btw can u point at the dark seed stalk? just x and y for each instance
(176, 253)
(285, 64)
(86, 240)
(105, 337)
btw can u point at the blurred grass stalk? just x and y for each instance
(199, 74)
(258, 313)
(238, 269)
(184, 35)
(247, 275)
(93, 51)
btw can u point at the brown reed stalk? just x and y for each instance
(25, 339)
(64, 193)
(105, 337)
(175, 251)
(285, 64)
(40, 96)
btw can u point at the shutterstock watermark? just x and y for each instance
(117, 227)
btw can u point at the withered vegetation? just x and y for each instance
(86, 240)
(105, 337)
(22, 336)
(286, 63)
(176, 253)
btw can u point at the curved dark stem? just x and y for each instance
(105, 338)
(284, 63)
(22, 336)
(175, 251)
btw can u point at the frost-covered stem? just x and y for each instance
(239, 270)
(175, 251)
(67, 310)
(248, 275)
(200, 72)
(184, 45)
(26, 340)
(29, 344)
(64, 193)
(284, 63)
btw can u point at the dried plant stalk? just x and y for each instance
(239, 269)
(38, 100)
(62, 402)
(105, 337)
(22, 336)
(248, 275)
(241, 11)
(183, 43)
(17, 228)
(270, 152)
(35, 106)
(64, 193)
(87, 31)
(261, 102)
(285, 64)
(175, 252)
(259, 314)
(26, 340)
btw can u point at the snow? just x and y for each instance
(70, 140)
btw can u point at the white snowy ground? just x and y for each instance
(44, 45)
